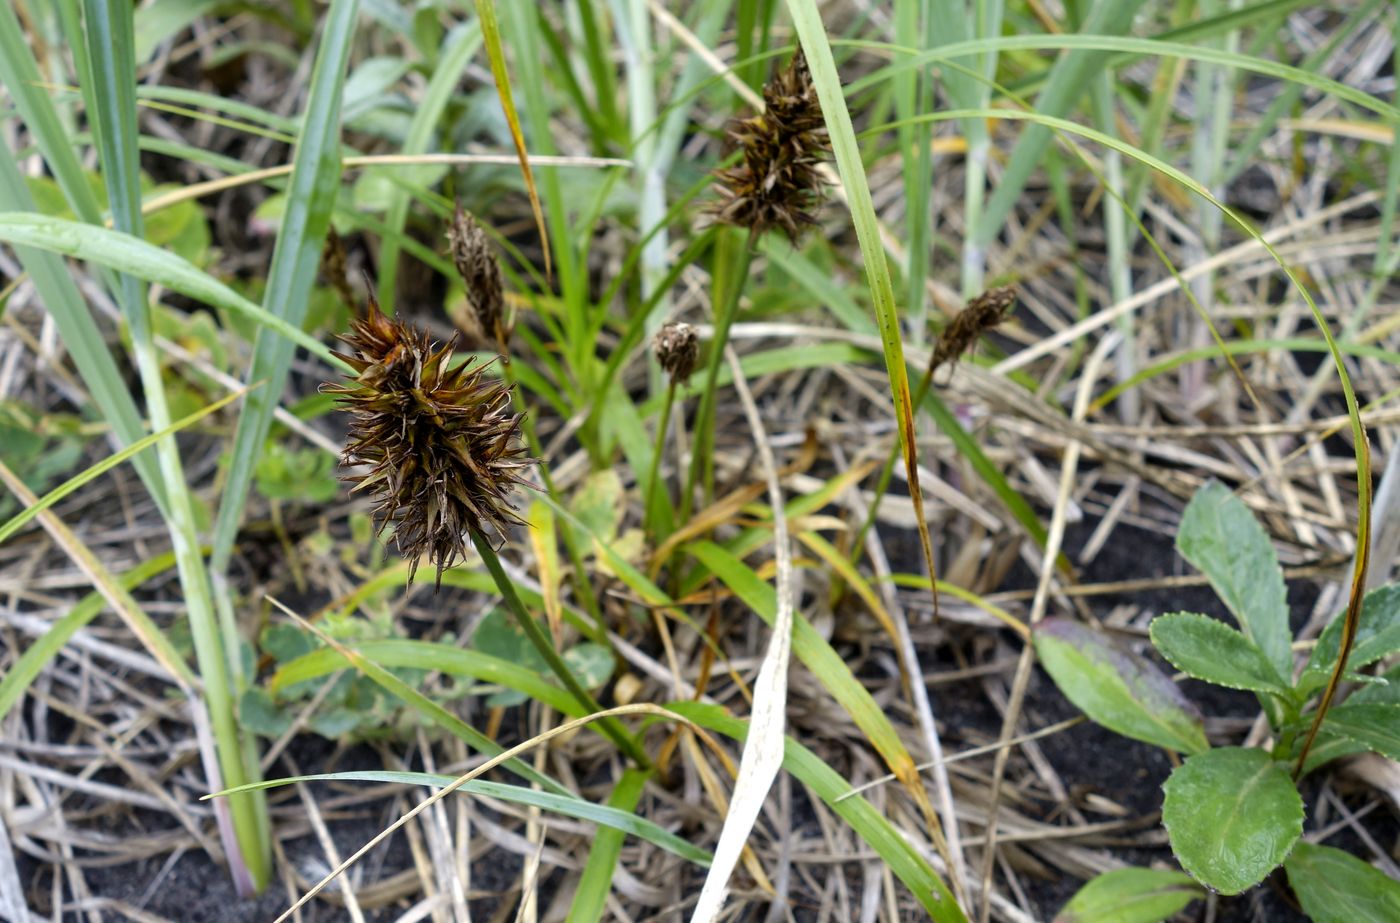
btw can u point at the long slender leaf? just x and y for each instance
(569, 806)
(310, 198)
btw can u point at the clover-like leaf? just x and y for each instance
(1210, 650)
(1232, 814)
(1116, 688)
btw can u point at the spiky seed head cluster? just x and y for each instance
(481, 274)
(677, 348)
(777, 184)
(439, 442)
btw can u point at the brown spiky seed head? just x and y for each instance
(439, 442)
(677, 348)
(777, 184)
(481, 274)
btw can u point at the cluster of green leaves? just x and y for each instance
(1234, 814)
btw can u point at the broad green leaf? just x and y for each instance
(1208, 649)
(1377, 634)
(568, 805)
(599, 505)
(1116, 688)
(1130, 896)
(1232, 815)
(1376, 726)
(1221, 537)
(1336, 887)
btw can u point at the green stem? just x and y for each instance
(702, 455)
(609, 726)
(583, 589)
(648, 516)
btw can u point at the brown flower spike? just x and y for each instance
(777, 184)
(439, 442)
(677, 347)
(981, 314)
(481, 274)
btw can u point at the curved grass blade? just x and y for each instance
(78, 480)
(427, 707)
(603, 815)
(37, 655)
(131, 255)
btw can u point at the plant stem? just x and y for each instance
(702, 453)
(609, 726)
(578, 574)
(648, 517)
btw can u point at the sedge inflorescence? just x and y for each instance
(777, 184)
(439, 441)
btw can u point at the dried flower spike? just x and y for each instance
(777, 185)
(439, 442)
(481, 274)
(677, 348)
(982, 313)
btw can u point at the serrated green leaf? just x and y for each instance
(1377, 634)
(1210, 650)
(1116, 688)
(1130, 895)
(1382, 690)
(1336, 887)
(1375, 726)
(1223, 540)
(1232, 815)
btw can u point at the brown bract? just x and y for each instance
(777, 184)
(439, 442)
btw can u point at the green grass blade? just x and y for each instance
(848, 163)
(67, 487)
(37, 655)
(596, 881)
(131, 255)
(813, 650)
(603, 815)
(109, 37)
(310, 197)
(427, 655)
(869, 824)
(80, 334)
(435, 712)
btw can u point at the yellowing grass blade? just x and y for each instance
(491, 35)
